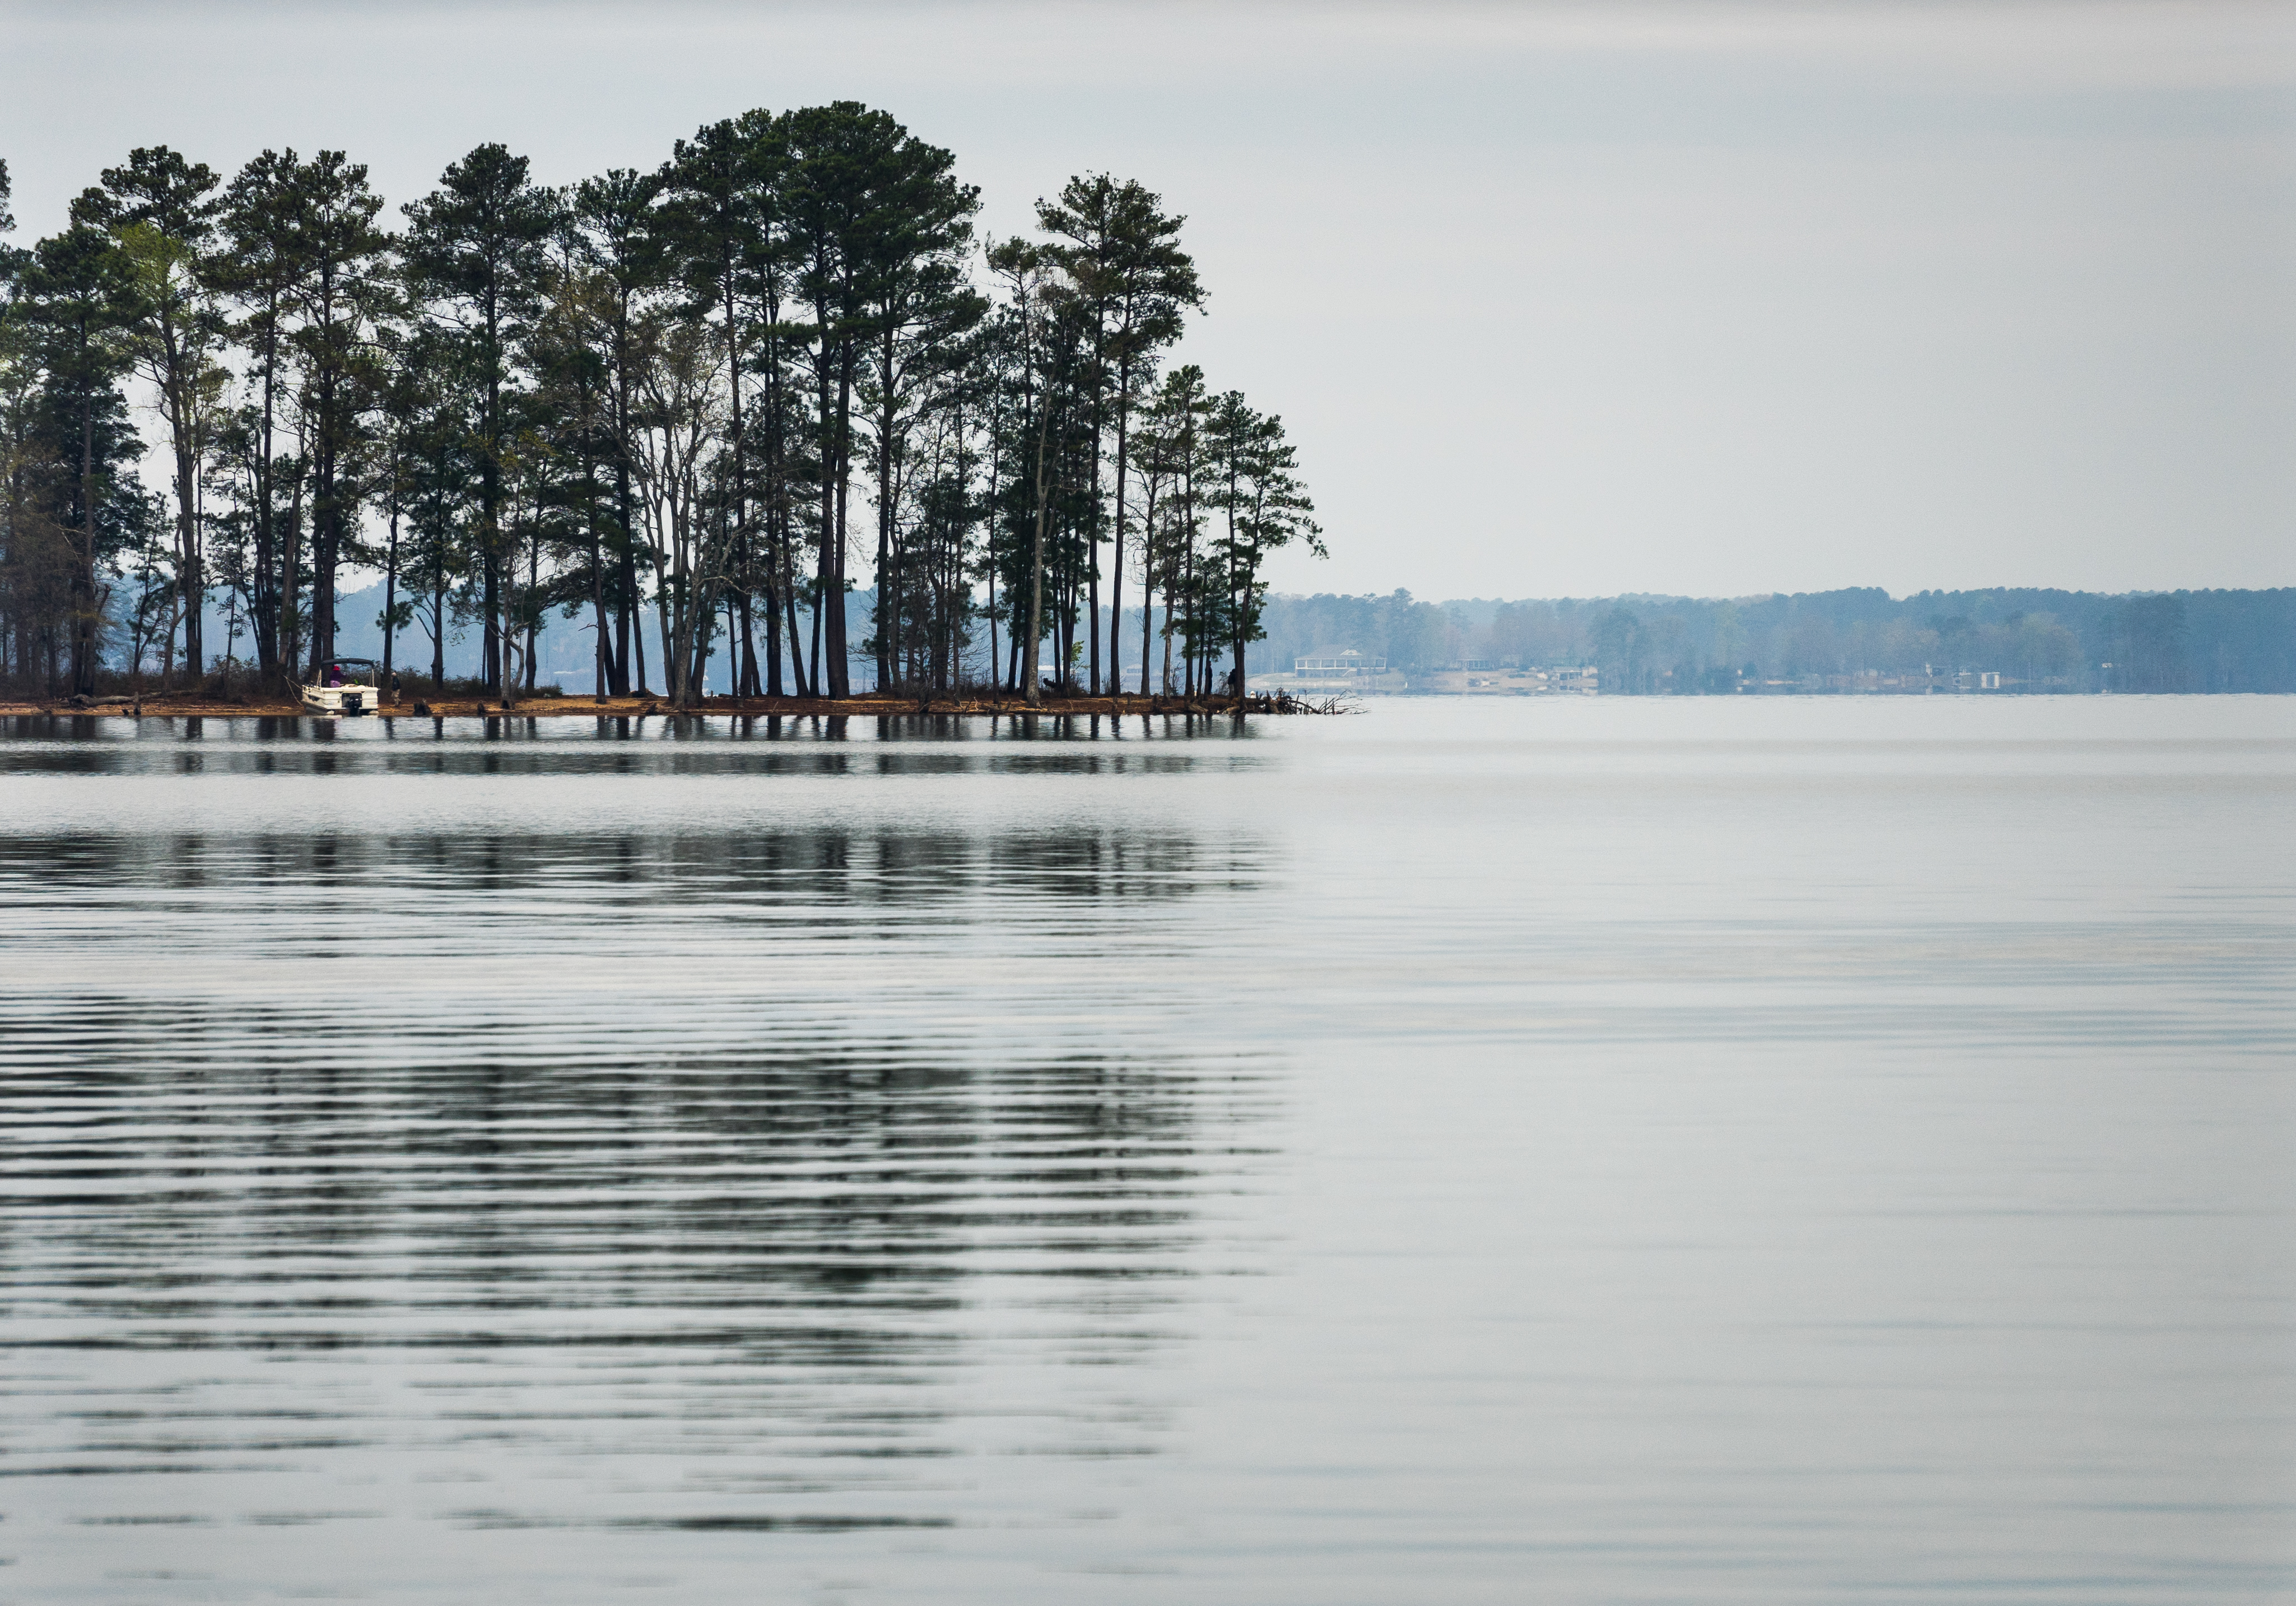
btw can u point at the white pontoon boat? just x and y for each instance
(348, 686)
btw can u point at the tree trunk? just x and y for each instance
(264, 621)
(603, 655)
(389, 601)
(439, 629)
(327, 517)
(825, 573)
(291, 599)
(637, 649)
(748, 683)
(626, 604)
(490, 506)
(773, 612)
(789, 607)
(87, 608)
(1191, 649)
(1147, 575)
(813, 673)
(1165, 685)
(840, 667)
(889, 579)
(744, 654)
(190, 579)
(1035, 689)
(533, 589)
(669, 659)
(1116, 566)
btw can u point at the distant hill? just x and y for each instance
(2182, 640)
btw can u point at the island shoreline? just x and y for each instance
(879, 705)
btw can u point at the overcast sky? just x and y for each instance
(1556, 299)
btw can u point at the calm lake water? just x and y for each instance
(1606, 1151)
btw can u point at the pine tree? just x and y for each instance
(1124, 258)
(1262, 507)
(259, 266)
(79, 296)
(477, 247)
(614, 225)
(163, 210)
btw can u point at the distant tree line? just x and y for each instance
(706, 392)
(2038, 640)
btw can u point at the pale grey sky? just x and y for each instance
(1556, 299)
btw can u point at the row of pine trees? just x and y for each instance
(699, 396)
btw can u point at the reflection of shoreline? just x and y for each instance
(777, 1277)
(916, 931)
(908, 743)
(609, 872)
(817, 1199)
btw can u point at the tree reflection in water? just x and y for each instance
(601, 1181)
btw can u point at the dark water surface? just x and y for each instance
(1611, 1150)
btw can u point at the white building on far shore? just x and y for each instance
(1329, 673)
